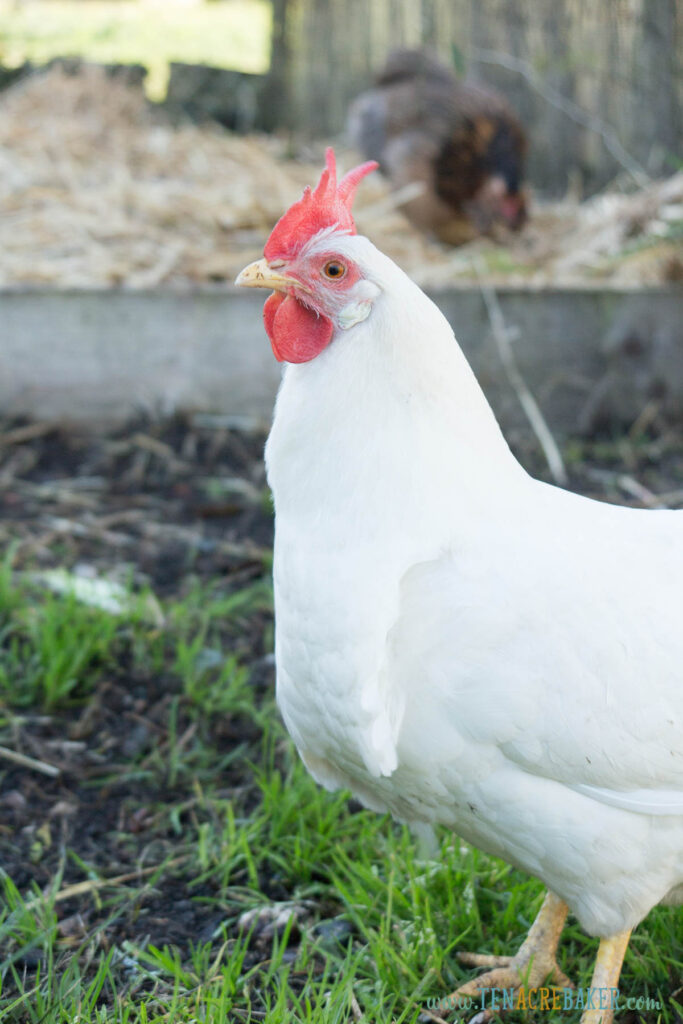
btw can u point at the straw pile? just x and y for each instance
(97, 189)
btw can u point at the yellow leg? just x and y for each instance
(606, 978)
(533, 963)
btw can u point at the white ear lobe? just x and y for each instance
(358, 309)
(354, 313)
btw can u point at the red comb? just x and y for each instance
(328, 205)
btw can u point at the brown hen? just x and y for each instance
(460, 146)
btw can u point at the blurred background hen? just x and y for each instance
(454, 150)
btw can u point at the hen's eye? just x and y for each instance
(334, 270)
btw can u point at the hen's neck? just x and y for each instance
(389, 414)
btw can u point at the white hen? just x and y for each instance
(457, 642)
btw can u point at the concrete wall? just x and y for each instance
(590, 357)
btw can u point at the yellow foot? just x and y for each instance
(606, 978)
(528, 969)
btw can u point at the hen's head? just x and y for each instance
(317, 286)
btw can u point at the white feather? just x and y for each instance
(639, 801)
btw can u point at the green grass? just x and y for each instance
(231, 34)
(50, 650)
(242, 826)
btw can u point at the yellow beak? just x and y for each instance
(260, 275)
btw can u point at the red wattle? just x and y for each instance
(297, 334)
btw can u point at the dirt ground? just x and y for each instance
(163, 506)
(169, 506)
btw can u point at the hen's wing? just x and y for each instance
(556, 645)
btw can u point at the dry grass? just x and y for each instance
(98, 189)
